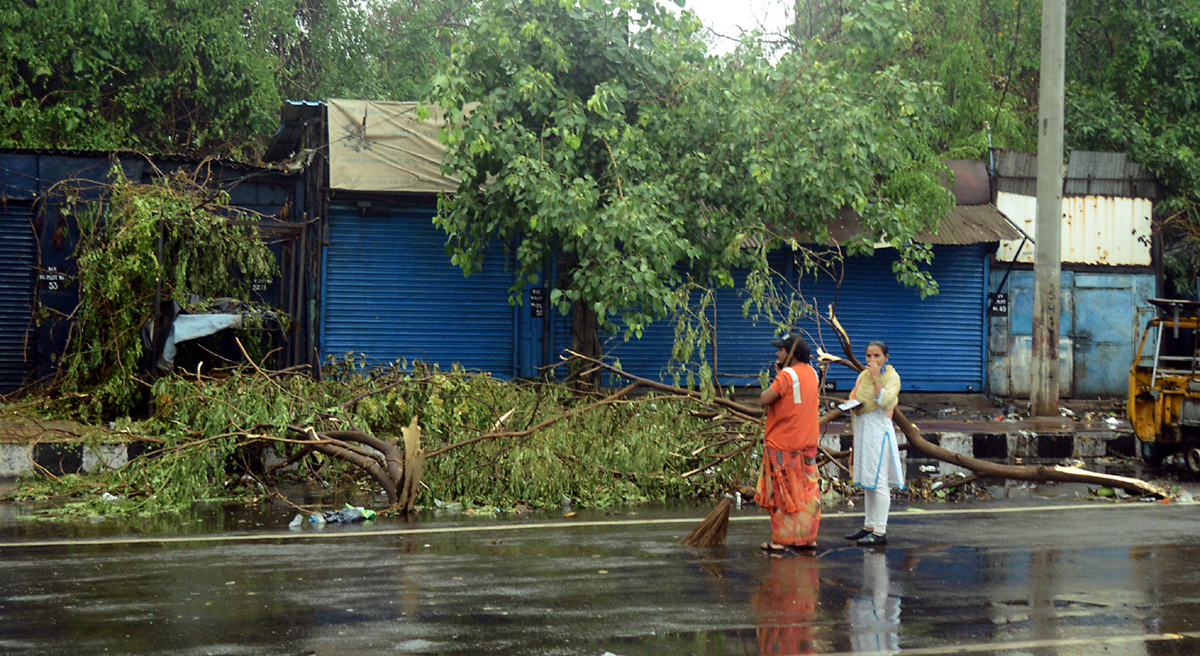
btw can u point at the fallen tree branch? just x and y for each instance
(749, 412)
(1039, 473)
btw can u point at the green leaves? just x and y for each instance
(118, 273)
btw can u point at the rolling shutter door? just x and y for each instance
(17, 261)
(936, 343)
(390, 292)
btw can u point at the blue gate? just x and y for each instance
(390, 292)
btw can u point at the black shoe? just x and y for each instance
(859, 534)
(872, 540)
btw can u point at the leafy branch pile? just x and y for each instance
(490, 442)
(172, 240)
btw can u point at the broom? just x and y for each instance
(710, 532)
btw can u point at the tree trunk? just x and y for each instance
(585, 340)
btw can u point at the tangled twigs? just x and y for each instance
(746, 412)
(552, 420)
(386, 468)
(995, 470)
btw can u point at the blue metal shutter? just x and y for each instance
(936, 343)
(390, 292)
(744, 341)
(17, 262)
(743, 346)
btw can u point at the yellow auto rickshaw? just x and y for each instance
(1164, 384)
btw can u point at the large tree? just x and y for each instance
(204, 77)
(1133, 85)
(607, 140)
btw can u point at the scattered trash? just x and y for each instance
(1112, 422)
(297, 521)
(937, 485)
(1066, 412)
(926, 469)
(451, 506)
(348, 514)
(570, 515)
(109, 497)
(1106, 492)
(1073, 462)
(1185, 497)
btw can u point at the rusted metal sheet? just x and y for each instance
(1107, 230)
(1087, 174)
(970, 182)
(1107, 174)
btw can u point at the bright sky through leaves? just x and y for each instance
(727, 18)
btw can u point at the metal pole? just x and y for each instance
(1047, 267)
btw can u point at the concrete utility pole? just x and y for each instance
(1047, 263)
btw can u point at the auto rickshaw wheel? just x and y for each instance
(1191, 455)
(1153, 454)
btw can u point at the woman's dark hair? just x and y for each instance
(881, 345)
(802, 352)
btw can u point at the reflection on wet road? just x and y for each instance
(1075, 579)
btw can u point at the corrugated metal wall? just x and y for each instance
(390, 292)
(937, 343)
(742, 347)
(17, 262)
(1096, 229)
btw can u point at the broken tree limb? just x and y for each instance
(414, 467)
(1040, 473)
(377, 467)
(748, 412)
(983, 468)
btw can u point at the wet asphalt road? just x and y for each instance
(1035, 576)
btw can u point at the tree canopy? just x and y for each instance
(203, 77)
(607, 138)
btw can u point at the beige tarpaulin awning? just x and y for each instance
(383, 146)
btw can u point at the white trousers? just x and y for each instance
(876, 504)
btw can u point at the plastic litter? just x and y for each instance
(345, 515)
(296, 521)
(110, 497)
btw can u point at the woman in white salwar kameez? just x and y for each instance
(877, 466)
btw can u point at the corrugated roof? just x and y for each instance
(178, 159)
(1016, 172)
(973, 219)
(970, 182)
(1107, 174)
(1087, 174)
(965, 224)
